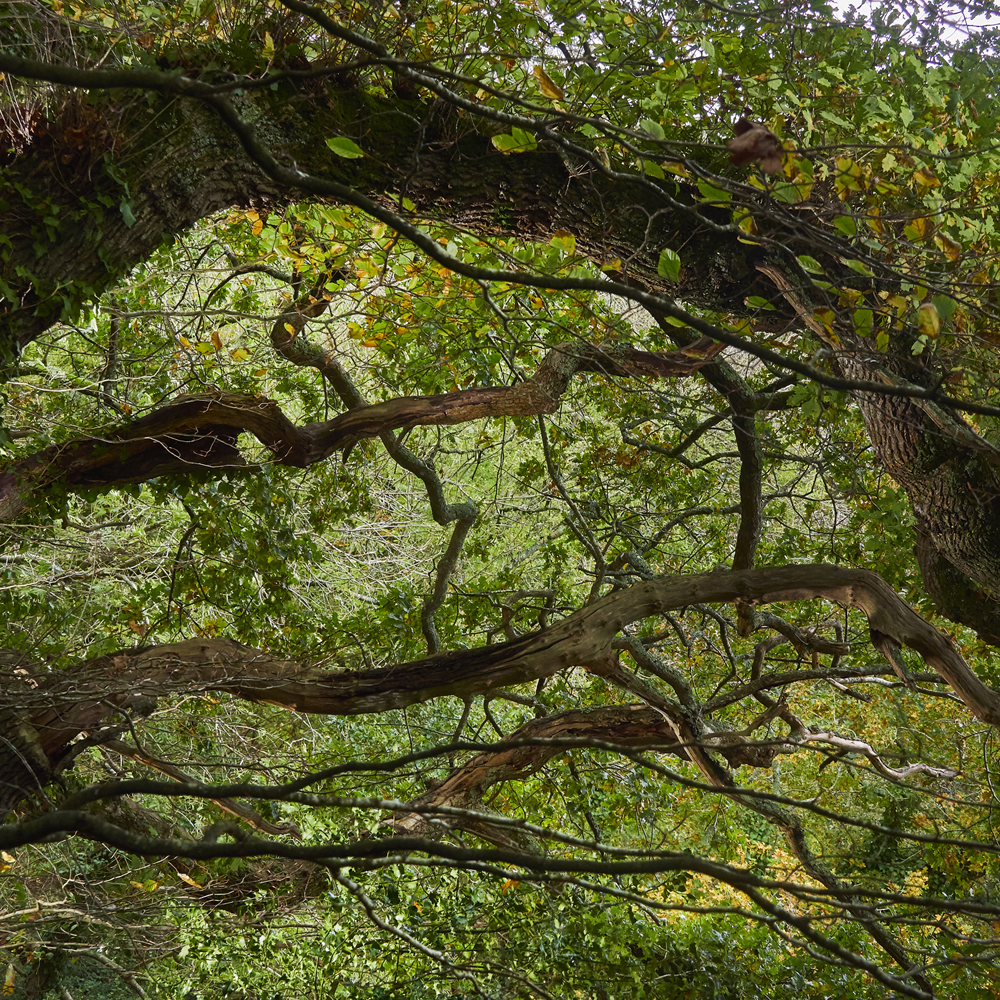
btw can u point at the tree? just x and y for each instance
(681, 320)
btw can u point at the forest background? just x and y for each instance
(499, 500)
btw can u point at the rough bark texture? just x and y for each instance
(955, 495)
(53, 710)
(197, 432)
(93, 191)
(181, 163)
(950, 474)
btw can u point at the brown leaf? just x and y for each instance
(755, 143)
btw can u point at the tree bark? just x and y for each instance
(79, 214)
(50, 711)
(78, 222)
(198, 432)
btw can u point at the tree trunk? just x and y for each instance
(95, 190)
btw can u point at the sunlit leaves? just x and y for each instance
(346, 148)
(669, 265)
(518, 141)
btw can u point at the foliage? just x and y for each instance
(254, 745)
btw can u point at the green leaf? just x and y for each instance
(846, 225)
(810, 264)
(128, 216)
(711, 193)
(856, 265)
(518, 141)
(669, 265)
(564, 241)
(344, 147)
(945, 306)
(863, 321)
(786, 193)
(655, 129)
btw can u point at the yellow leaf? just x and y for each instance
(551, 90)
(185, 343)
(848, 177)
(290, 329)
(925, 179)
(188, 879)
(928, 320)
(917, 229)
(826, 317)
(257, 227)
(676, 168)
(217, 340)
(370, 343)
(948, 246)
(562, 239)
(6, 856)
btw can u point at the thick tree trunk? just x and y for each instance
(81, 211)
(955, 496)
(950, 474)
(94, 191)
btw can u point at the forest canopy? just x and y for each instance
(499, 499)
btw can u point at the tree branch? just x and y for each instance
(199, 432)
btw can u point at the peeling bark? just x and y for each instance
(64, 705)
(198, 432)
(634, 726)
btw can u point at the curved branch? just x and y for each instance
(634, 726)
(64, 705)
(289, 340)
(198, 432)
